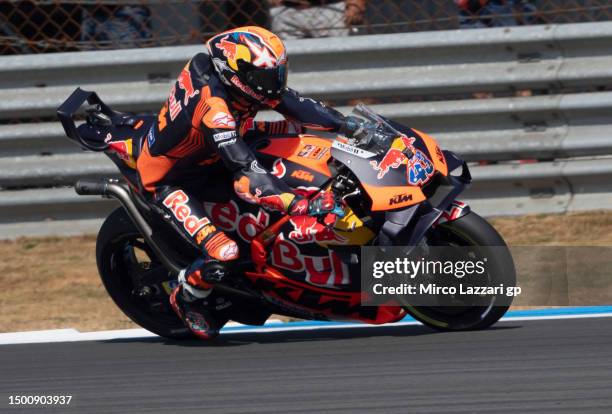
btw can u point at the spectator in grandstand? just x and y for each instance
(297, 19)
(497, 13)
(116, 26)
(528, 13)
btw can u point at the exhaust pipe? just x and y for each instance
(111, 188)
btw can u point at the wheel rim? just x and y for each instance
(141, 279)
(435, 315)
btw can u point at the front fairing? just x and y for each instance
(393, 179)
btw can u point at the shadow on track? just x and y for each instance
(328, 334)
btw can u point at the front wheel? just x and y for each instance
(470, 230)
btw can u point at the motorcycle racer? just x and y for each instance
(202, 124)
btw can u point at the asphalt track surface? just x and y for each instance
(517, 366)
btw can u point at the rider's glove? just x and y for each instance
(353, 127)
(323, 204)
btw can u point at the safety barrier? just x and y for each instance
(562, 133)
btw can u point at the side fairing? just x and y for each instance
(300, 161)
(394, 178)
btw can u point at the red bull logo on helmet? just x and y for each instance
(229, 48)
(233, 51)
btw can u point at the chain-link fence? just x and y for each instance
(50, 26)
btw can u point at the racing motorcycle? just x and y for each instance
(398, 187)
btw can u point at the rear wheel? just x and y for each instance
(135, 279)
(470, 230)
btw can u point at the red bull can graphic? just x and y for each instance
(306, 229)
(185, 83)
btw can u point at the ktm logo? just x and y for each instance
(400, 198)
(202, 234)
(303, 175)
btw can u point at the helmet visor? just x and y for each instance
(270, 82)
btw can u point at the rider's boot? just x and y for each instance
(196, 283)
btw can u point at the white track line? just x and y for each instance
(72, 335)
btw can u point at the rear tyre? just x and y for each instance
(135, 279)
(470, 230)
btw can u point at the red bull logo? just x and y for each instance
(123, 149)
(185, 83)
(395, 156)
(306, 229)
(229, 48)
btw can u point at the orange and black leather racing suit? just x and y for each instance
(199, 129)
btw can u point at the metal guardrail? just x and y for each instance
(544, 127)
(553, 187)
(553, 128)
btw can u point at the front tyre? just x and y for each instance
(133, 277)
(470, 230)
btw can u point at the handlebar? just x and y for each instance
(71, 106)
(90, 187)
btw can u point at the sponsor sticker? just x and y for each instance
(229, 48)
(358, 152)
(244, 88)
(177, 203)
(303, 175)
(314, 152)
(202, 234)
(151, 137)
(223, 120)
(400, 198)
(402, 152)
(307, 229)
(278, 168)
(222, 136)
(226, 143)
